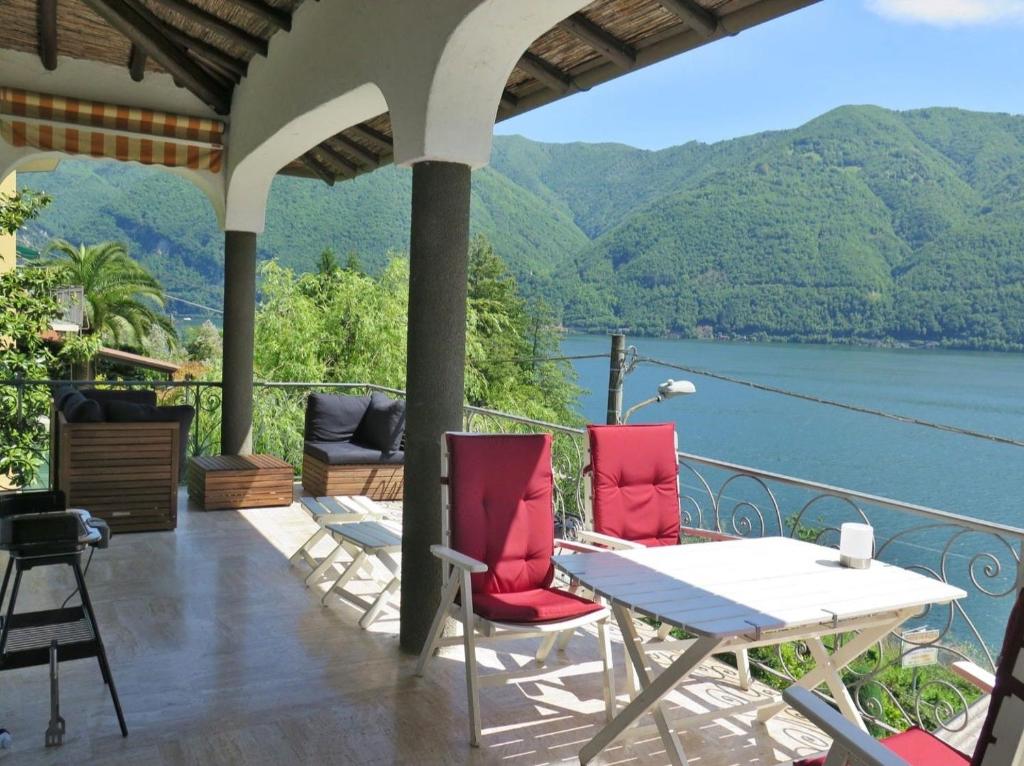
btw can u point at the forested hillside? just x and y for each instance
(862, 225)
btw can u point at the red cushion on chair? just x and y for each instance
(917, 747)
(538, 605)
(635, 482)
(500, 490)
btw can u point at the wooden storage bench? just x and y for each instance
(376, 481)
(221, 482)
(124, 473)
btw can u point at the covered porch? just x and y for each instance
(221, 655)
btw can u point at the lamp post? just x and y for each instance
(667, 390)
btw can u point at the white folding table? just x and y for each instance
(743, 594)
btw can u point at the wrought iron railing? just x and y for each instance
(719, 499)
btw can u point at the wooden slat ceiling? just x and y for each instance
(207, 46)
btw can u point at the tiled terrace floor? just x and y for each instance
(222, 656)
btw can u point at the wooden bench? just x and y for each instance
(221, 482)
(377, 481)
(123, 473)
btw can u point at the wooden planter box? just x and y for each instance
(222, 482)
(378, 482)
(124, 473)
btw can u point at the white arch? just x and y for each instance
(438, 66)
(248, 183)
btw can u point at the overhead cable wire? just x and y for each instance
(833, 403)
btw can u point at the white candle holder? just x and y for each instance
(856, 545)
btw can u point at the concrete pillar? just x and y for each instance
(239, 322)
(438, 259)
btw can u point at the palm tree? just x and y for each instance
(123, 301)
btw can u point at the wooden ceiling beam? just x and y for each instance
(697, 16)
(319, 169)
(137, 63)
(374, 136)
(600, 39)
(358, 151)
(547, 73)
(209, 52)
(139, 26)
(349, 168)
(271, 14)
(217, 25)
(509, 100)
(223, 72)
(46, 22)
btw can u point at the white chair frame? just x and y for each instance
(477, 631)
(663, 643)
(852, 746)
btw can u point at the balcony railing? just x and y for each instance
(903, 681)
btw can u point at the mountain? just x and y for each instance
(862, 225)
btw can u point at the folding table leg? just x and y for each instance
(743, 669)
(604, 641)
(346, 575)
(842, 657)
(654, 690)
(834, 682)
(303, 552)
(317, 574)
(385, 595)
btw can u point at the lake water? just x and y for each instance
(979, 391)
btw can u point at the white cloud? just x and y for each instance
(949, 13)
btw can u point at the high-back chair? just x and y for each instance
(632, 500)
(1001, 742)
(633, 486)
(497, 541)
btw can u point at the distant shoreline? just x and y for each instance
(819, 340)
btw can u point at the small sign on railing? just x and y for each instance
(927, 654)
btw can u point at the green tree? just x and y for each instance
(22, 206)
(327, 263)
(27, 305)
(123, 302)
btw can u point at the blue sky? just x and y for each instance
(901, 54)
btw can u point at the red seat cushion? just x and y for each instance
(917, 747)
(500, 492)
(537, 605)
(635, 482)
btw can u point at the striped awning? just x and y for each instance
(129, 134)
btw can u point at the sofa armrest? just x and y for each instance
(859, 747)
(458, 560)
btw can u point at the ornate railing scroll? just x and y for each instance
(904, 680)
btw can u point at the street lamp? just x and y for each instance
(667, 390)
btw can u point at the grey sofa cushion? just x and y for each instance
(78, 409)
(383, 424)
(334, 417)
(134, 395)
(348, 453)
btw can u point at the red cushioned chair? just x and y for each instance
(632, 499)
(1002, 736)
(497, 533)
